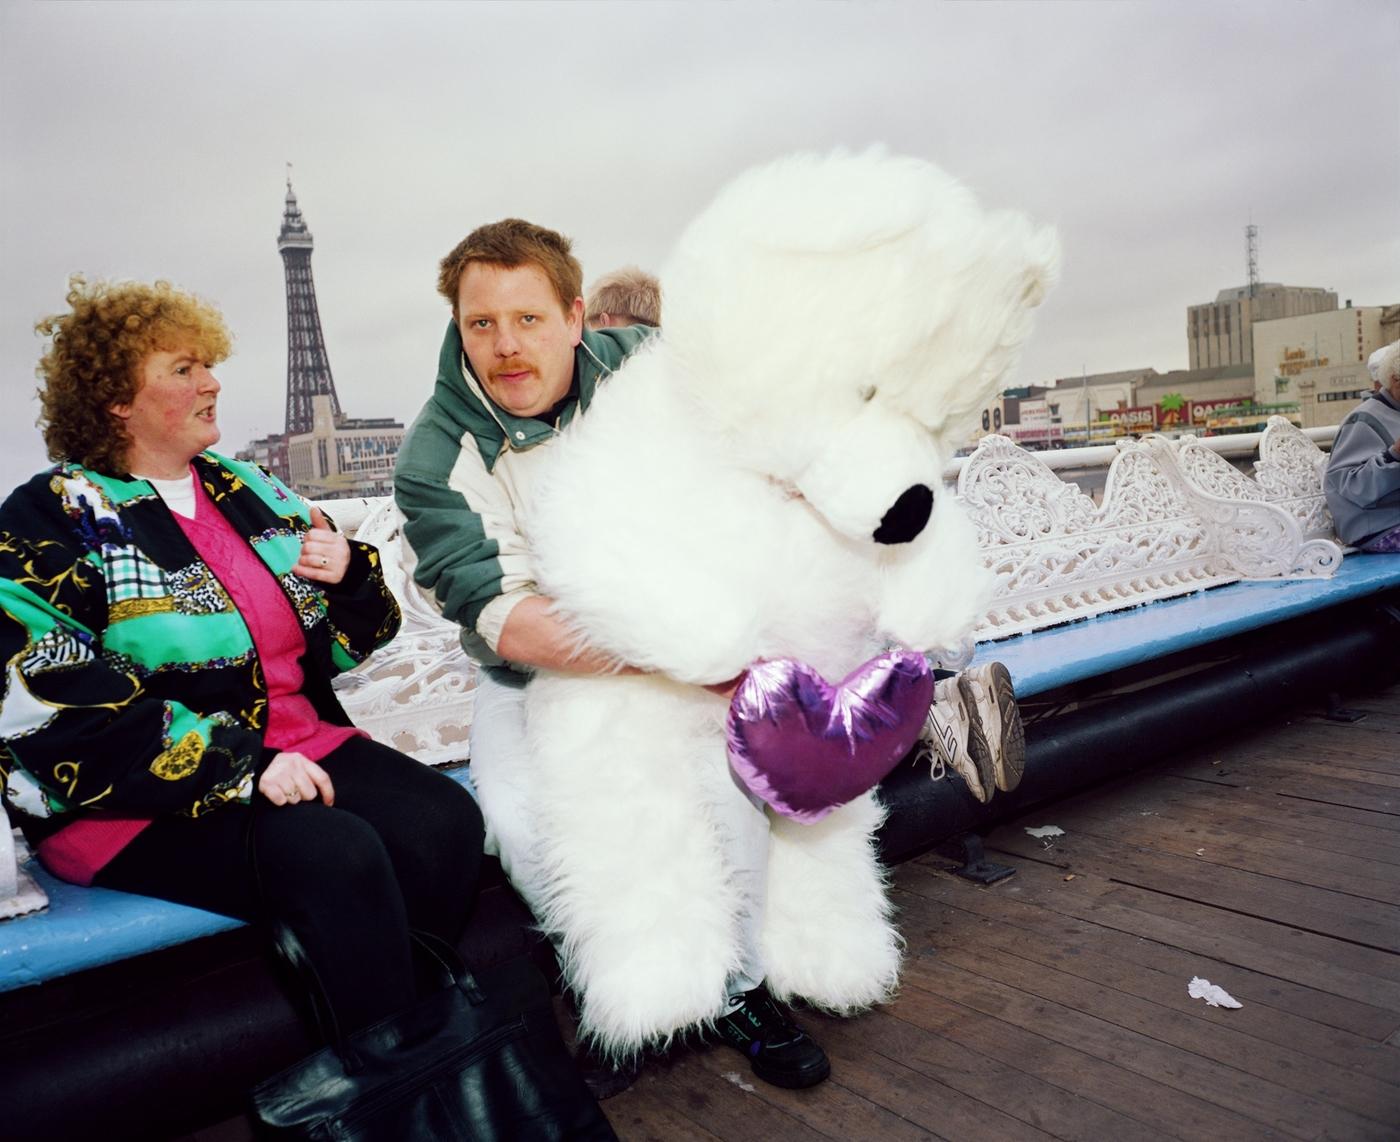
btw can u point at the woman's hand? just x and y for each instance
(293, 777)
(325, 554)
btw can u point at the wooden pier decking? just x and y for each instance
(1054, 1004)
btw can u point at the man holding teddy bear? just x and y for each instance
(515, 367)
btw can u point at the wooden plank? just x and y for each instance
(1198, 833)
(1000, 1085)
(644, 1112)
(1364, 922)
(1334, 1061)
(1135, 1096)
(1279, 816)
(1346, 999)
(715, 1086)
(698, 1091)
(1360, 750)
(1004, 986)
(926, 1100)
(1356, 1105)
(1293, 1015)
(1312, 806)
(869, 1095)
(1341, 969)
(1313, 746)
(1260, 810)
(1297, 779)
(1310, 759)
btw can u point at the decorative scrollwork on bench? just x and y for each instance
(1175, 518)
(1290, 470)
(416, 693)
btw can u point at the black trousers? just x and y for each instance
(401, 847)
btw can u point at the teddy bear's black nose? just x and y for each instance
(907, 517)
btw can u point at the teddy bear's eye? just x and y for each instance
(867, 394)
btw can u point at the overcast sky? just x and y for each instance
(144, 140)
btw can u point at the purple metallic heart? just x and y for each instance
(804, 746)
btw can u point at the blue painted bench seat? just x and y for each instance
(1057, 656)
(88, 927)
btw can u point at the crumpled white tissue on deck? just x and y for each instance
(1041, 832)
(1216, 996)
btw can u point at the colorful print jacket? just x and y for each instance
(131, 682)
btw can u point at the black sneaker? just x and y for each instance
(606, 1076)
(779, 1051)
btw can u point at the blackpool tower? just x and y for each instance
(321, 452)
(308, 367)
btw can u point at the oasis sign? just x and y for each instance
(1197, 413)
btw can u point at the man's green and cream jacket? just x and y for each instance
(463, 481)
(132, 685)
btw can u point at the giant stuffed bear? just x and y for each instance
(762, 481)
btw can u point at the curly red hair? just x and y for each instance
(95, 357)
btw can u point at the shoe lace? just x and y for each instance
(937, 767)
(761, 1020)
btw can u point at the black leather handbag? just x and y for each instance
(481, 1058)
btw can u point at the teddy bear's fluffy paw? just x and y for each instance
(829, 937)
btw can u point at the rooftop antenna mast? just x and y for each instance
(1251, 249)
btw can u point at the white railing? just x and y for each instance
(1102, 455)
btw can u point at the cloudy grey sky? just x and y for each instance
(149, 140)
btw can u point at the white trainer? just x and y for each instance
(950, 734)
(998, 733)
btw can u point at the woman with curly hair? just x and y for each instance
(171, 623)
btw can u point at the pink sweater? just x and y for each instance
(79, 851)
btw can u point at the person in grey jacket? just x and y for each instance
(1363, 474)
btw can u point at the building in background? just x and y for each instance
(1284, 351)
(1071, 411)
(1318, 360)
(321, 452)
(1187, 400)
(340, 457)
(1218, 333)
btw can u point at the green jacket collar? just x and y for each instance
(460, 396)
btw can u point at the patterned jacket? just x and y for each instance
(131, 681)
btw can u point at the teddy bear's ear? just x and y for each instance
(1044, 269)
(1035, 290)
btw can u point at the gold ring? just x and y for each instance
(294, 795)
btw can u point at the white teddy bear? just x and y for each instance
(763, 481)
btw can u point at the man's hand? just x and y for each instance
(726, 689)
(325, 553)
(293, 777)
(533, 636)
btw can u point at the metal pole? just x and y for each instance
(1087, 439)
